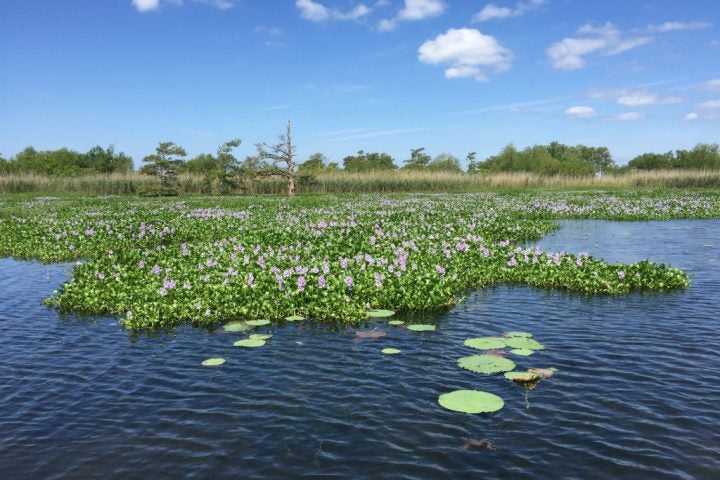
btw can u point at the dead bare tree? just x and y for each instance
(282, 153)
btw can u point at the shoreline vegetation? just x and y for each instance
(160, 262)
(393, 181)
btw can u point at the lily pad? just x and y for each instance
(522, 377)
(258, 323)
(523, 343)
(485, 343)
(213, 362)
(517, 334)
(419, 327)
(236, 326)
(523, 352)
(294, 318)
(396, 322)
(471, 401)
(380, 313)
(260, 336)
(486, 364)
(390, 351)
(250, 342)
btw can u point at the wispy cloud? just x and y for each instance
(279, 107)
(150, 5)
(691, 116)
(376, 133)
(492, 11)
(628, 116)
(580, 111)
(413, 10)
(713, 84)
(644, 97)
(710, 104)
(515, 106)
(673, 26)
(467, 53)
(318, 12)
(273, 35)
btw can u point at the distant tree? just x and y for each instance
(419, 160)
(471, 163)
(652, 161)
(200, 164)
(313, 165)
(227, 165)
(368, 162)
(99, 160)
(282, 155)
(5, 166)
(445, 162)
(164, 164)
(703, 156)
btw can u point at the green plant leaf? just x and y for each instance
(523, 343)
(419, 327)
(396, 322)
(236, 326)
(380, 313)
(212, 362)
(485, 343)
(471, 401)
(522, 377)
(390, 351)
(258, 323)
(250, 342)
(260, 336)
(517, 334)
(523, 352)
(294, 318)
(486, 364)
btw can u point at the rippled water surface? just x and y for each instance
(637, 394)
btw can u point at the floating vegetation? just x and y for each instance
(213, 362)
(390, 351)
(236, 326)
(258, 323)
(523, 352)
(160, 262)
(471, 401)
(294, 318)
(260, 336)
(486, 364)
(543, 372)
(396, 322)
(523, 343)
(380, 313)
(250, 343)
(517, 334)
(522, 377)
(374, 334)
(485, 343)
(420, 327)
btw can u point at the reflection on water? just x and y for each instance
(635, 395)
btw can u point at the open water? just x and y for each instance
(636, 395)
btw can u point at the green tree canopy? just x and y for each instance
(368, 162)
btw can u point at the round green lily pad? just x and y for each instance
(260, 336)
(523, 352)
(390, 351)
(517, 334)
(236, 326)
(396, 322)
(471, 401)
(419, 327)
(485, 343)
(522, 377)
(380, 313)
(294, 318)
(486, 364)
(250, 342)
(258, 323)
(523, 343)
(212, 362)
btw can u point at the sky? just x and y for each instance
(453, 76)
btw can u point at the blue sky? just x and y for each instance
(452, 76)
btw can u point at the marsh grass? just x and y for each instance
(370, 182)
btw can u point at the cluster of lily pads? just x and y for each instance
(160, 262)
(492, 361)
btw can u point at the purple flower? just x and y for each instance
(379, 277)
(440, 270)
(621, 274)
(141, 264)
(169, 284)
(185, 250)
(321, 281)
(156, 270)
(512, 262)
(301, 284)
(89, 232)
(250, 279)
(349, 282)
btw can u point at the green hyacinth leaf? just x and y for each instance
(486, 364)
(517, 334)
(236, 326)
(294, 318)
(250, 343)
(396, 322)
(213, 362)
(471, 401)
(390, 351)
(421, 327)
(523, 352)
(258, 323)
(260, 336)
(485, 343)
(380, 313)
(523, 343)
(522, 377)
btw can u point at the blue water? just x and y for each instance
(636, 394)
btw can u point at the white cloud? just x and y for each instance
(317, 12)
(467, 53)
(628, 116)
(691, 116)
(146, 5)
(709, 104)
(713, 84)
(643, 97)
(580, 111)
(568, 53)
(492, 11)
(412, 11)
(672, 26)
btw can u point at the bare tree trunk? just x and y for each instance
(290, 163)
